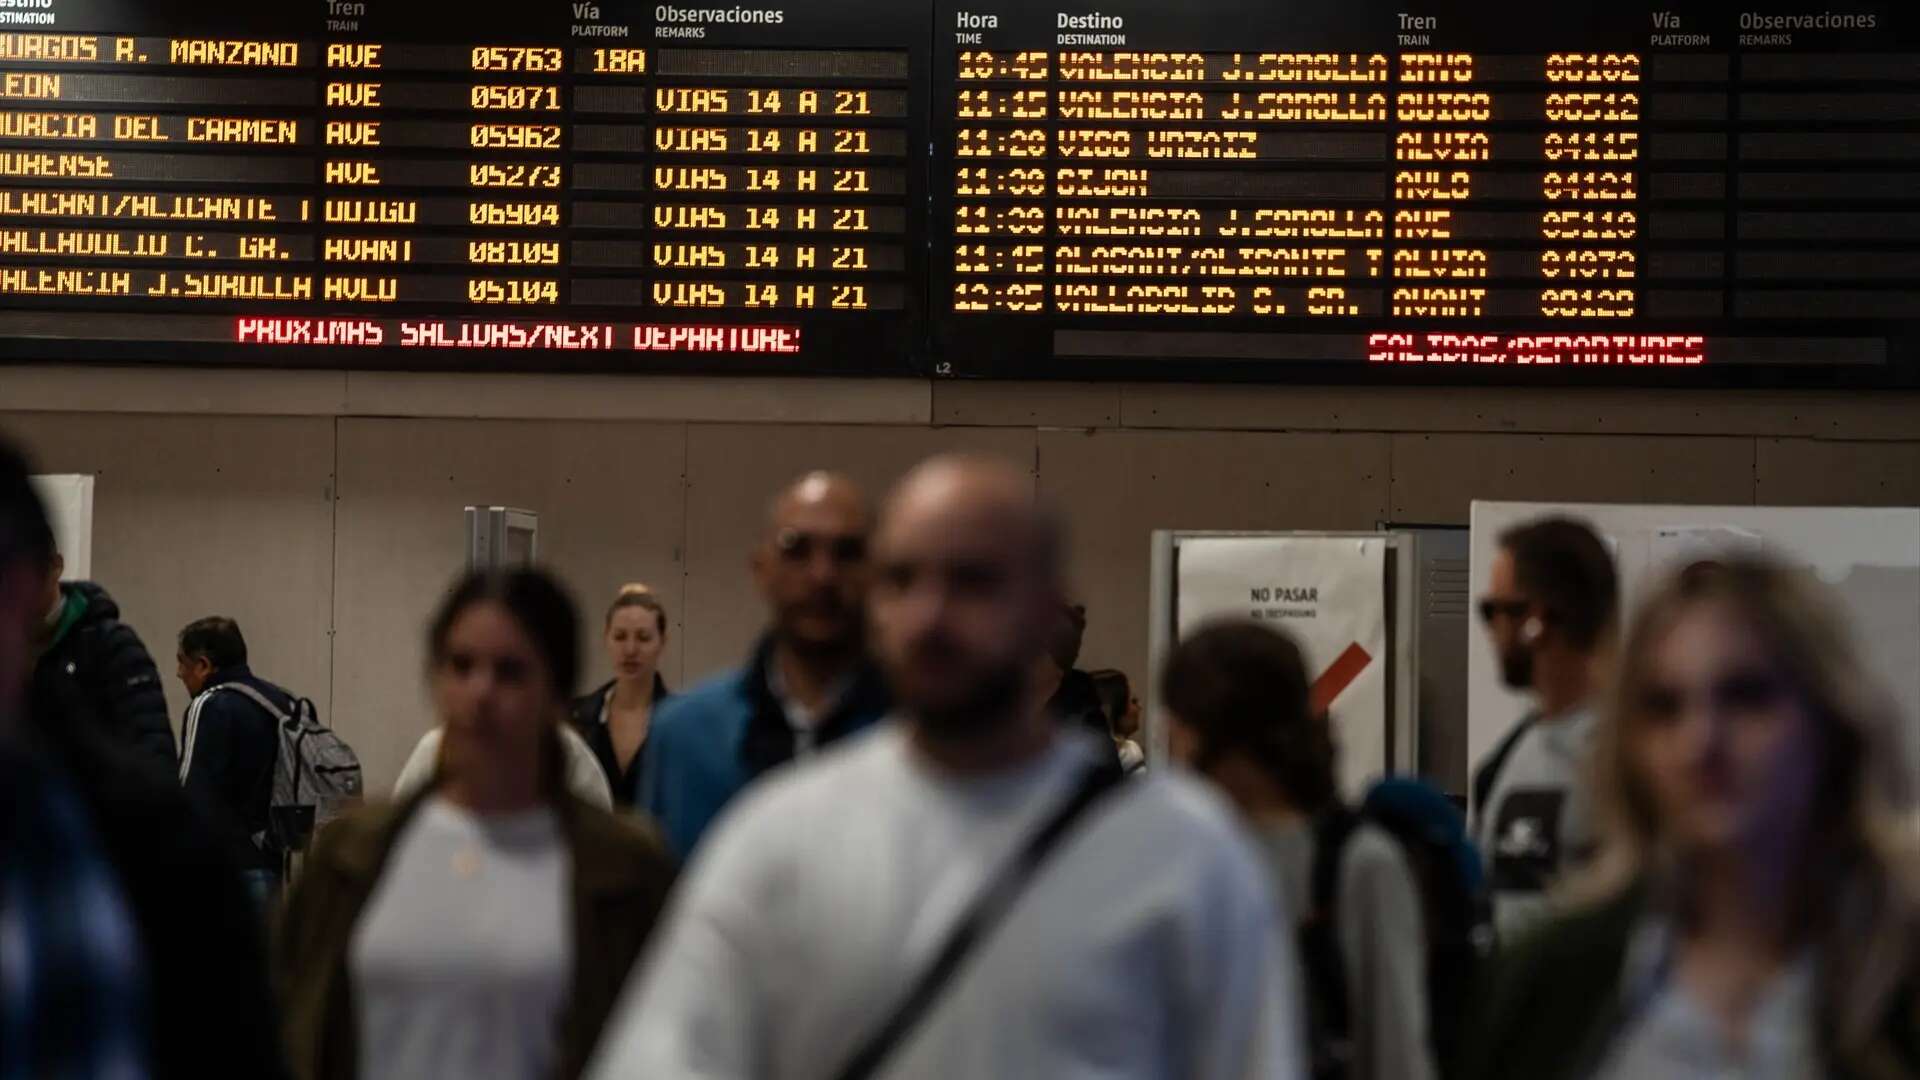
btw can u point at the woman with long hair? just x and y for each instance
(484, 926)
(615, 719)
(1238, 713)
(1754, 910)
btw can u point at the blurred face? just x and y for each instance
(1129, 725)
(1728, 750)
(813, 570)
(961, 608)
(194, 672)
(1505, 611)
(634, 643)
(491, 690)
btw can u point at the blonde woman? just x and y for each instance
(615, 719)
(1755, 910)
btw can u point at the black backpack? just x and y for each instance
(1432, 834)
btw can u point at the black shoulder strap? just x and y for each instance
(987, 911)
(1330, 835)
(1489, 772)
(1319, 943)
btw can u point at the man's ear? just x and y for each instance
(58, 567)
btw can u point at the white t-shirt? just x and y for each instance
(1669, 1033)
(1147, 945)
(1381, 929)
(805, 722)
(1538, 823)
(585, 778)
(462, 960)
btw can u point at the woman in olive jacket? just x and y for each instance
(484, 926)
(1755, 909)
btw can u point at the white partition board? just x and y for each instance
(69, 501)
(1871, 558)
(1338, 595)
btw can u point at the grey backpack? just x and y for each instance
(315, 771)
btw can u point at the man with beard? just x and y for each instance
(1550, 611)
(808, 683)
(1141, 943)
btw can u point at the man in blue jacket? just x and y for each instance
(808, 682)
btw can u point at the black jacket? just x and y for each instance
(1077, 705)
(211, 1011)
(228, 747)
(586, 719)
(1552, 1005)
(100, 676)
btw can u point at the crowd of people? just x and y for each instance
(909, 837)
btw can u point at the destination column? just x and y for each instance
(153, 172)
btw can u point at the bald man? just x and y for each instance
(1144, 945)
(808, 682)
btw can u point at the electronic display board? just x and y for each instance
(534, 184)
(1391, 192)
(1315, 190)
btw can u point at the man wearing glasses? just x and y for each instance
(1550, 609)
(808, 682)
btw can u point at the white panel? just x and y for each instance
(69, 502)
(1870, 556)
(1328, 594)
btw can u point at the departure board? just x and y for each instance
(1310, 191)
(1368, 191)
(532, 184)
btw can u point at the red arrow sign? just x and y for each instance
(1338, 676)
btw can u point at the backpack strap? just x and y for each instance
(1488, 774)
(988, 910)
(1330, 835)
(1320, 953)
(279, 715)
(190, 730)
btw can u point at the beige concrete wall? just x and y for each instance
(611, 511)
(217, 490)
(209, 515)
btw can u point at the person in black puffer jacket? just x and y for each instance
(94, 671)
(131, 947)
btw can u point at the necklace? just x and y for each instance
(467, 862)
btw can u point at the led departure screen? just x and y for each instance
(1308, 190)
(423, 183)
(1351, 188)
